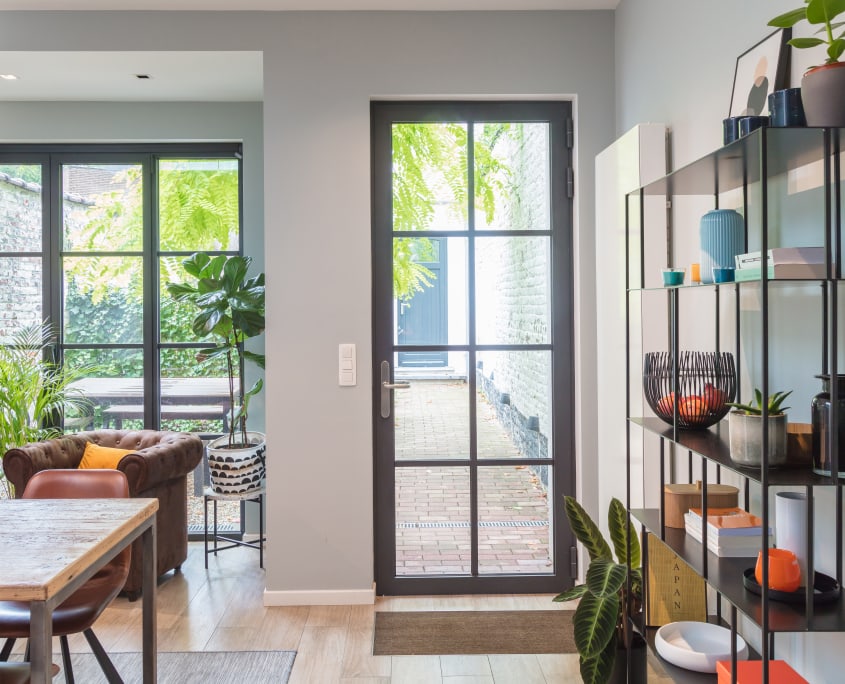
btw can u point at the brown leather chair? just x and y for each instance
(79, 611)
(158, 468)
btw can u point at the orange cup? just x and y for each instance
(784, 571)
(695, 273)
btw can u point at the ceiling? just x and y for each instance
(272, 5)
(189, 76)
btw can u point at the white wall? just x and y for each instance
(675, 63)
(320, 72)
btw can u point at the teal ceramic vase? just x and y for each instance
(722, 238)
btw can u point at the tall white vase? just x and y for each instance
(791, 526)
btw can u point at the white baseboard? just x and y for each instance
(320, 597)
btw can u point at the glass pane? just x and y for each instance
(103, 300)
(431, 417)
(512, 176)
(176, 317)
(429, 176)
(20, 208)
(514, 510)
(194, 393)
(115, 388)
(102, 205)
(432, 521)
(430, 284)
(513, 408)
(198, 204)
(20, 297)
(512, 291)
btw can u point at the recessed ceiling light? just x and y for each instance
(8, 77)
(143, 77)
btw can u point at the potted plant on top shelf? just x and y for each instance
(603, 620)
(822, 87)
(231, 309)
(746, 430)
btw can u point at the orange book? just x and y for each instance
(730, 521)
(751, 672)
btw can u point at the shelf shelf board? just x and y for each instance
(725, 576)
(731, 166)
(715, 286)
(713, 444)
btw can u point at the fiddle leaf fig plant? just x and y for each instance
(601, 621)
(820, 13)
(755, 408)
(230, 307)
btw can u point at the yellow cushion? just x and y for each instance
(96, 456)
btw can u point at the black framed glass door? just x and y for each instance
(474, 440)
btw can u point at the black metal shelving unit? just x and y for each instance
(747, 166)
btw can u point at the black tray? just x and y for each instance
(825, 589)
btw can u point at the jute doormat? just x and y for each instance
(470, 632)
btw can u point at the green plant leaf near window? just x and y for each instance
(820, 13)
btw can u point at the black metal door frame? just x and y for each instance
(562, 460)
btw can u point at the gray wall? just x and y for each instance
(675, 64)
(321, 71)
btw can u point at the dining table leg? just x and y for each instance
(41, 642)
(148, 597)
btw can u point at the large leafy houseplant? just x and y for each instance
(36, 392)
(822, 85)
(612, 593)
(230, 308)
(820, 13)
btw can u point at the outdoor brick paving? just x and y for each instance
(432, 504)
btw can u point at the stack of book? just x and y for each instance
(731, 532)
(783, 262)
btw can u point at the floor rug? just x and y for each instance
(473, 632)
(194, 667)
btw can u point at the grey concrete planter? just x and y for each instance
(823, 95)
(747, 439)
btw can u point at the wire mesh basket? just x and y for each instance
(706, 383)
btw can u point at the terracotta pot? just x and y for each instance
(823, 95)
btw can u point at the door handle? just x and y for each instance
(387, 387)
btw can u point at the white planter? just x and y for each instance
(240, 470)
(747, 439)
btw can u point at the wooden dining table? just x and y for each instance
(50, 547)
(173, 390)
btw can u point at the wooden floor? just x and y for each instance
(221, 609)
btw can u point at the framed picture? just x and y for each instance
(760, 71)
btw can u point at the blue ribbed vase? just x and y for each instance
(722, 238)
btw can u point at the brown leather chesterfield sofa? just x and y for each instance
(158, 468)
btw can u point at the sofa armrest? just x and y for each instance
(21, 463)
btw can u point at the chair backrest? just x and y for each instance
(90, 483)
(77, 484)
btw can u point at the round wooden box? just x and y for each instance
(681, 497)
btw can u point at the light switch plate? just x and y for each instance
(347, 365)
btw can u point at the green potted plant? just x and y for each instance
(37, 393)
(822, 86)
(603, 619)
(745, 422)
(230, 307)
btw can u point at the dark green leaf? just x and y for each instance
(205, 321)
(790, 18)
(180, 291)
(586, 530)
(251, 322)
(255, 389)
(195, 263)
(802, 43)
(604, 577)
(257, 359)
(617, 522)
(234, 272)
(837, 47)
(594, 623)
(824, 11)
(571, 594)
(597, 670)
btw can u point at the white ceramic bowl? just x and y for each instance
(697, 645)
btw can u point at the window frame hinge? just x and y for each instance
(573, 562)
(570, 182)
(570, 134)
